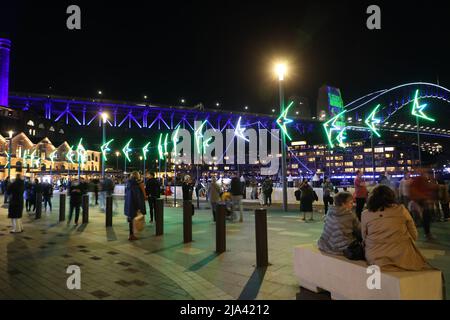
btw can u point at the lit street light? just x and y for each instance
(117, 160)
(104, 119)
(281, 70)
(10, 133)
(183, 101)
(100, 92)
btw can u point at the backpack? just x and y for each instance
(297, 194)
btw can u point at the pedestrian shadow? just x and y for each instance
(251, 289)
(197, 266)
(110, 234)
(82, 227)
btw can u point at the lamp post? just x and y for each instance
(281, 71)
(117, 160)
(104, 118)
(10, 132)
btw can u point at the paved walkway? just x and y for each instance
(33, 264)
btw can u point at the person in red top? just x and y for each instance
(424, 193)
(360, 193)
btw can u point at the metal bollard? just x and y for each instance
(159, 217)
(187, 221)
(38, 205)
(62, 207)
(108, 211)
(85, 206)
(262, 255)
(221, 242)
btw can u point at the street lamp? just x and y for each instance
(182, 100)
(99, 92)
(10, 133)
(104, 119)
(281, 70)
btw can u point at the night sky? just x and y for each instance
(208, 51)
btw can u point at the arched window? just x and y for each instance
(41, 126)
(51, 129)
(61, 131)
(30, 123)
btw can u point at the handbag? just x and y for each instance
(138, 222)
(297, 194)
(355, 251)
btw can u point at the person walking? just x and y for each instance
(153, 190)
(360, 193)
(444, 198)
(236, 196)
(76, 193)
(15, 209)
(307, 197)
(403, 189)
(327, 188)
(47, 194)
(134, 201)
(5, 189)
(187, 189)
(267, 189)
(424, 193)
(28, 194)
(214, 196)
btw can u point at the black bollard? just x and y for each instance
(108, 211)
(221, 241)
(62, 207)
(38, 205)
(187, 221)
(85, 205)
(159, 217)
(262, 255)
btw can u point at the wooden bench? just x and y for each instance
(347, 279)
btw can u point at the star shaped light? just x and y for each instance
(239, 132)
(126, 150)
(417, 109)
(105, 148)
(331, 126)
(199, 135)
(371, 121)
(283, 120)
(145, 150)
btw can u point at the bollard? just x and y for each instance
(62, 207)
(221, 241)
(187, 221)
(159, 217)
(262, 256)
(85, 205)
(38, 205)
(108, 211)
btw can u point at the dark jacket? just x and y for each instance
(134, 199)
(306, 198)
(15, 191)
(236, 188)
(76, 192)
(267, 187)
(153, 188)
(108, 186)
(47, 190)
(187, 191)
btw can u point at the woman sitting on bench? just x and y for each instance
(341, 226)
(389, 233)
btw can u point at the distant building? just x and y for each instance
(34, 159)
